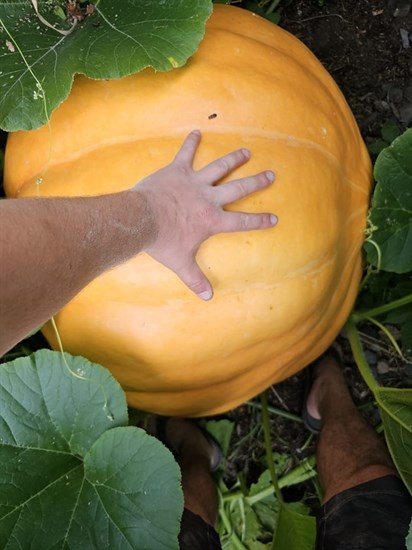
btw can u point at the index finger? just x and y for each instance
(187, 151)
(221, 167)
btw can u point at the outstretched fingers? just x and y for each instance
(237, 189)
(221, 167)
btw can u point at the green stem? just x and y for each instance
(273, 6)
(388, 335)
(370, 270)
(356, 346)
(318, 488)
(237, 543)
(279, 412)
(268, 445)
(253, 499)
(358, 316)
(303, 472)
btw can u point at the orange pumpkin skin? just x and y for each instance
(280, 295)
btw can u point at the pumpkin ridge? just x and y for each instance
(270, 135)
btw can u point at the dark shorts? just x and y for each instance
(372, 516)
(196, 534)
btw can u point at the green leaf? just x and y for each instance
(403, 318)
(409, 538)
(69, 462)
(221, 431)
(382, 288)
(274, 17)
(406, 339)
(377, 146)
(254, 519)
(262, 484)
(396, 411)
(390, 131)
(248, 526)
(391, 212)
(132, 489)
(117, 39)
(295, 531)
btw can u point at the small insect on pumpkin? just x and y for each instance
(281, 295)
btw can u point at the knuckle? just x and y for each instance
(250, 222)
(243, 188)
(182, 170)
(244, 222)
(224, 165)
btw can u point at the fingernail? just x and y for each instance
(197, 132)
(205, 295)
(270, 175)
(246, 153)
(273, 219)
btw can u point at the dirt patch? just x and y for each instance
(364, 46)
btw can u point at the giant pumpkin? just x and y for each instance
(280, 295)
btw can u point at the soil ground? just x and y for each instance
(366, 49)
(360, 43)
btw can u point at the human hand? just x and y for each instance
(186, 208)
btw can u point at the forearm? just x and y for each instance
(51, 248)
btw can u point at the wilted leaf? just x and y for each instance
(248, 526)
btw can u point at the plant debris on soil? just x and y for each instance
(366, 47)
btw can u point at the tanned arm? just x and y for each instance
(51, 248)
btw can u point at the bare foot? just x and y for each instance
(327, 378)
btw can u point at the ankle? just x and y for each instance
(328, 387)
(336, 401)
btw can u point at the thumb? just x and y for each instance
(195, 279)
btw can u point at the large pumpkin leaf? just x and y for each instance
(72, 476)
(396, 411)
(391, 213)
(105, 39)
